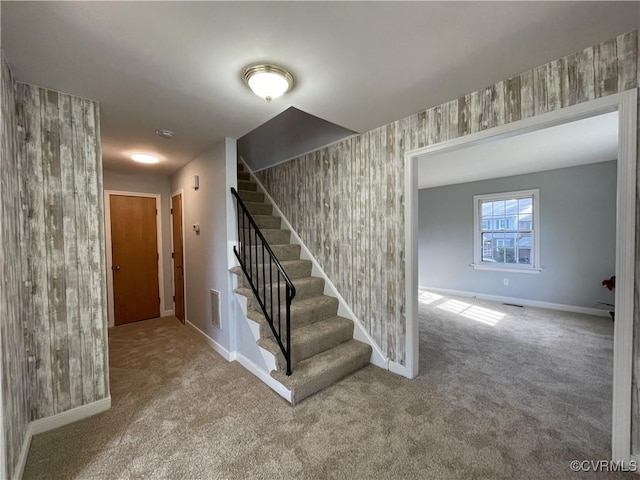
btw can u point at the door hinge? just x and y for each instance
(174, 298)
(157, 256)
(156, 211)
(172, 211)
(159, 301)
(173, 254)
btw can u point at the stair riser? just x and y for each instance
(331, 377)
(273, 237)
(302, 317)
(257, 197)
(258, 208)
(266, 221)
(304, 291)
(282, 253)
(298, 270)
(240, 167)
(247, 185)
(308, 350)
(244, 176)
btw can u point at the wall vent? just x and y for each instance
(215, 307)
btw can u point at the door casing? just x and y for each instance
(107, 221)
(184, 255)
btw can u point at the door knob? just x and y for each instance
(115, 267)
(179, 266)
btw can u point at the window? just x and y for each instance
(506, 231)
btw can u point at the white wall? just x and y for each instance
(208, 256)
(158, 184)
(577, 237)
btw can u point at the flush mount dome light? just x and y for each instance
(144, 158)
(268, 81)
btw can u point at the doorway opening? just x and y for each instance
(134, 256)
(626, 106)
(177, 255)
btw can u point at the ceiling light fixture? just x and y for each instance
(144, 158)
(164, 133)
(267, 81)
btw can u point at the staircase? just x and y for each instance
(323, 350)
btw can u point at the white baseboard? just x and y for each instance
(56, 421)
(360, 333)
(167, 313)
(521, 301)
(70, 416)
(395, 367)
(264, 377)
(226, 354)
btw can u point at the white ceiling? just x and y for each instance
(590, 140)
(177, 65)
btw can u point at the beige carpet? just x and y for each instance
(517, 399)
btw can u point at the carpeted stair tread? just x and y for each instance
(257, 197)
(247, 186)
(274, 236)
(293, 268)
(266, 221)
(317, 372)
(244, 176)
(303, 313)
(283, 253)
(311, 340)
(306, 287)
(258, 208)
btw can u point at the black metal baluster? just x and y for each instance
(279, 320)
(250, 274)
(288, 326)
(244, 240)
(264, 282)
(270, 287)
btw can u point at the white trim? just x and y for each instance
(521, 301)
(504, 268)
(626, 104)
(264, 377)
(378, 358)
(24, 452)
(173, 260)
(344, 139)
(70, 416)
(224, 353)
(56, 421)
(107, 221)
(477, 231)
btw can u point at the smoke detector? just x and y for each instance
(164, 133)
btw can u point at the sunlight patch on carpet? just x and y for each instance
(479, 314)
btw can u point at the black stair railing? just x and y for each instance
(264, 274)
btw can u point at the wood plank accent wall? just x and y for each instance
(346, 200)
(63, 252)
(15, 384)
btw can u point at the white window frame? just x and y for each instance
(478, 264)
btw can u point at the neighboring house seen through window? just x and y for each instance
(506, 231)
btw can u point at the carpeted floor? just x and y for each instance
(503, 393)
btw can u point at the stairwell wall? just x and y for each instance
(208, 256)
(346, 200)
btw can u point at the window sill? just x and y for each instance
(529, 270)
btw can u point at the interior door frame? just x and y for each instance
(184, 255)
(625, 103)
(107, 221)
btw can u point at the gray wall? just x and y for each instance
(577, 236)
(207, 259)
(158, 184)
(14, 393)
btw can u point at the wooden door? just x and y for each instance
(178, 256)
(134, 248)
